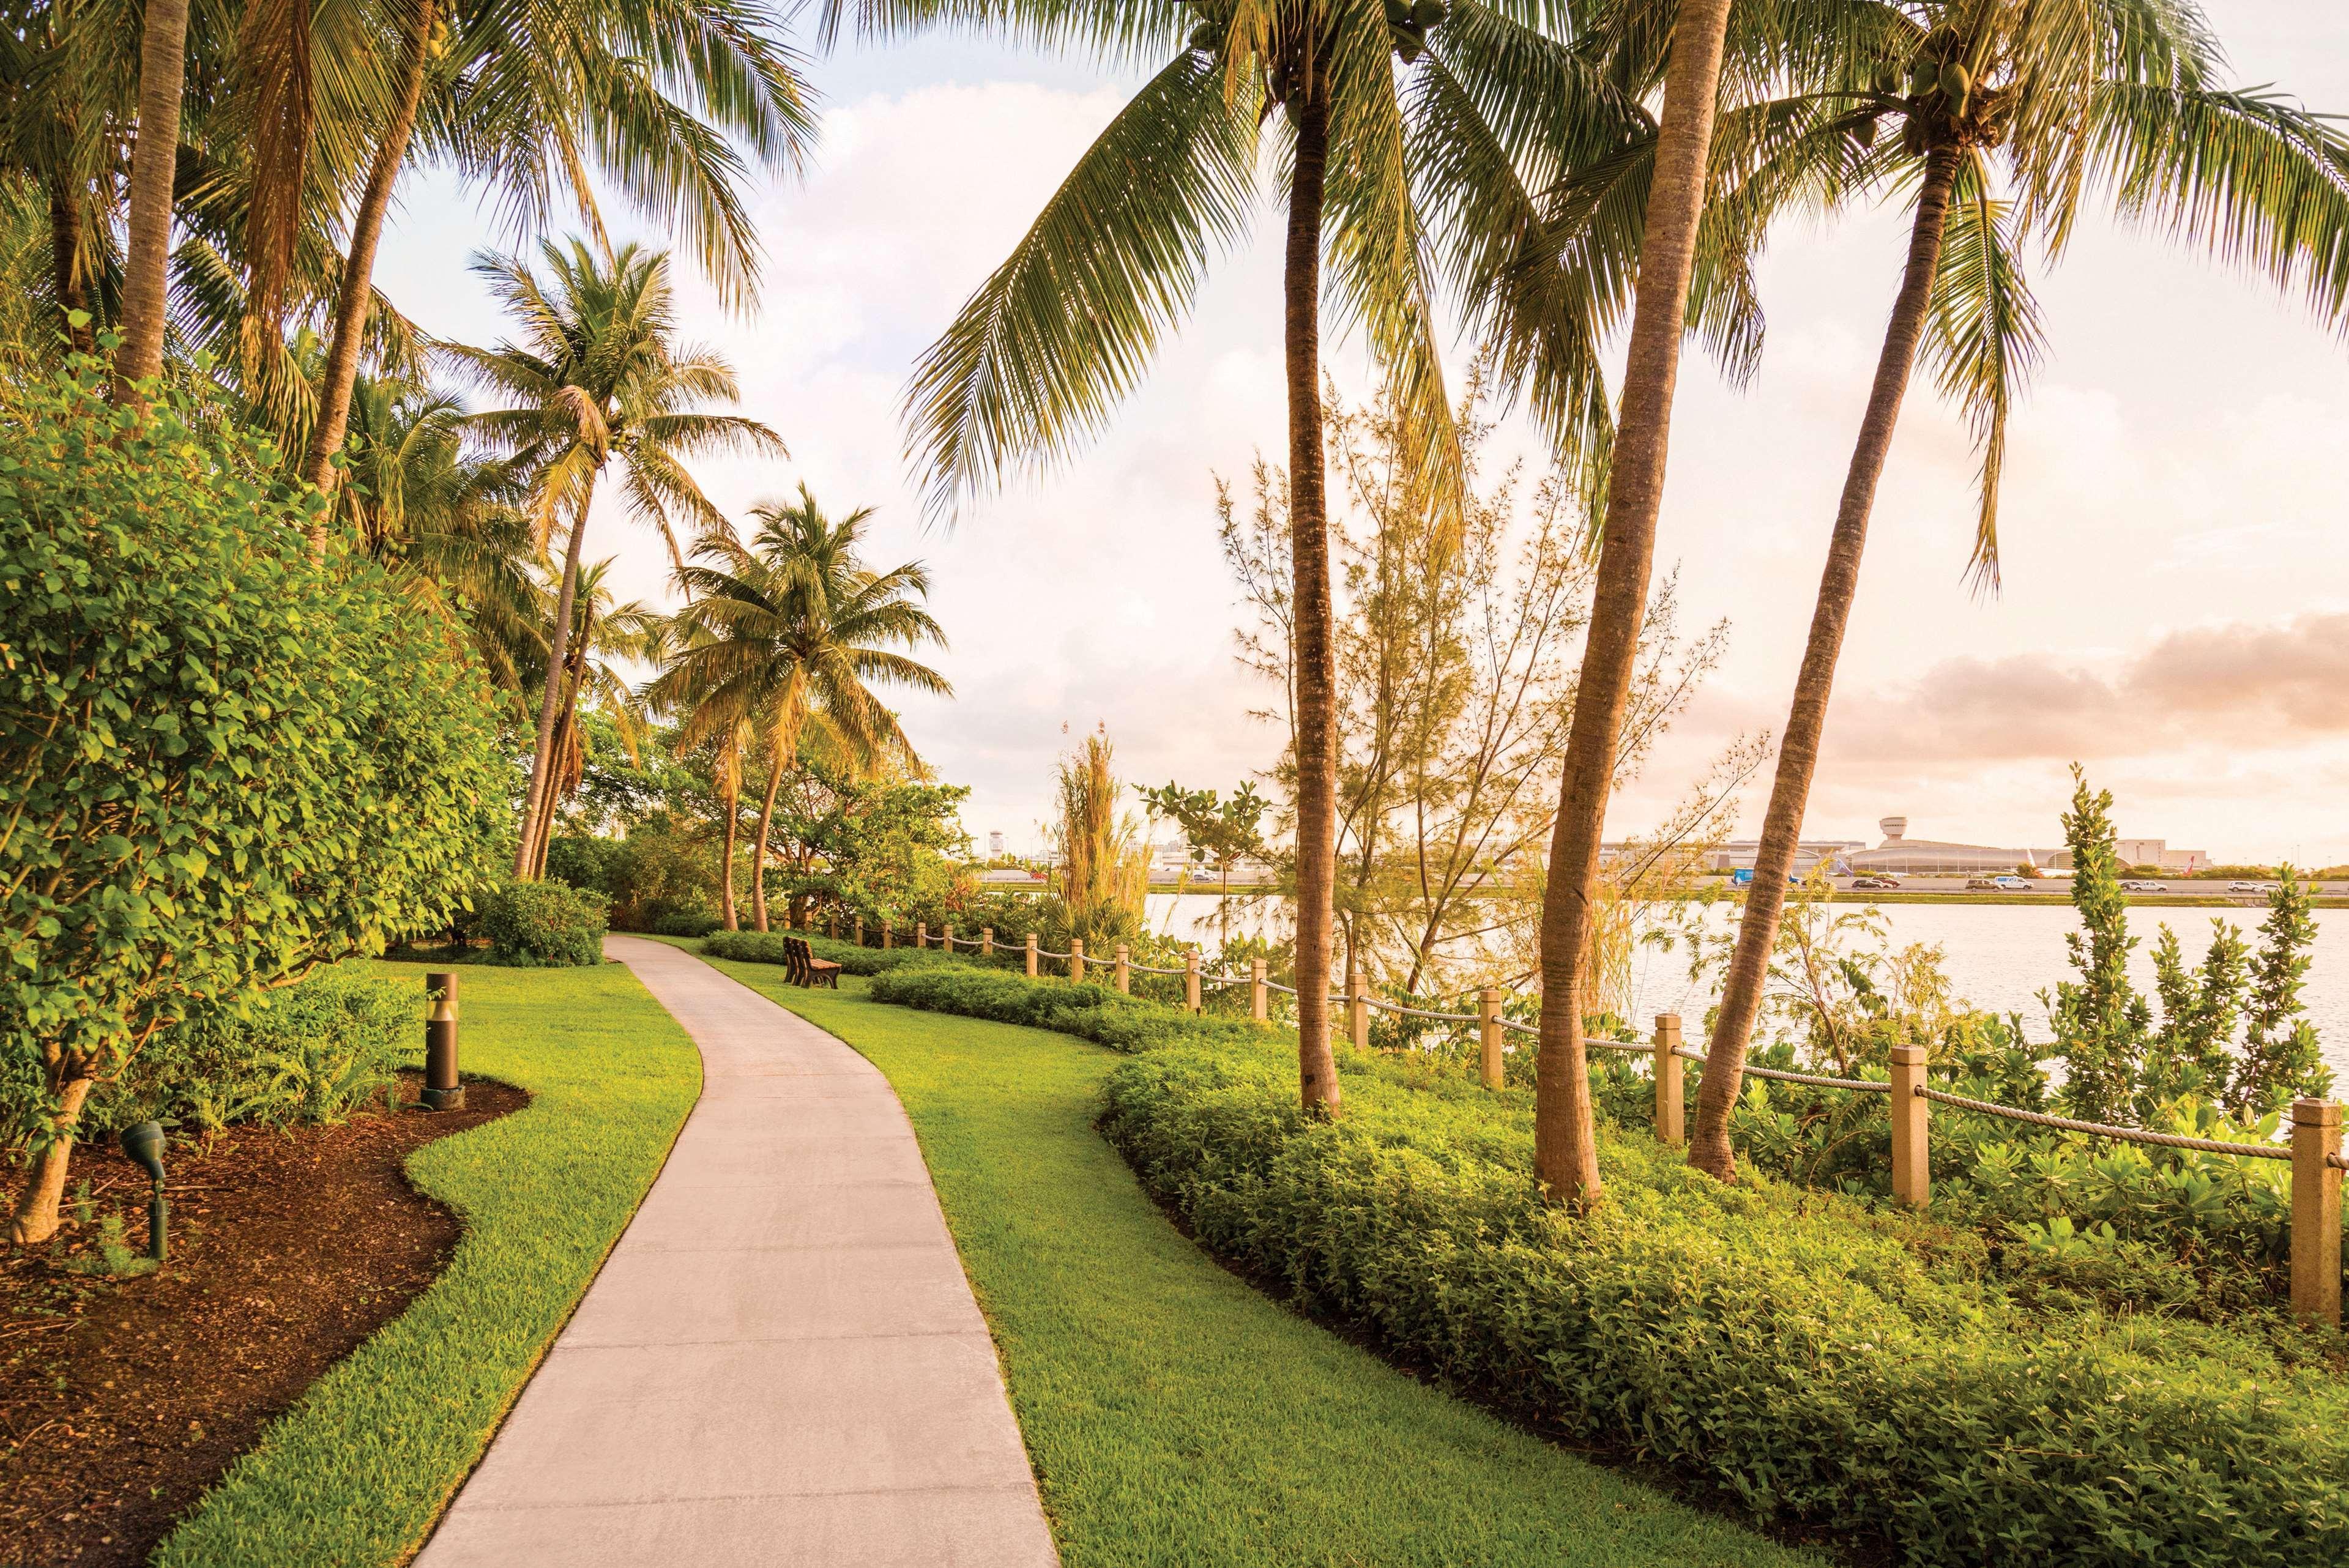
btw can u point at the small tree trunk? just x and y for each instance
(154, 163)
(1566, 1157)
(758, 846)
(1799, 748)
(541, 766)
(66, 274)
(36, 1206)
(355, 297)
(1317, 769)
(731, 799)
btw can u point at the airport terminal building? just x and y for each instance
(1900, 855)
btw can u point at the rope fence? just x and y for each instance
(2103, 1130)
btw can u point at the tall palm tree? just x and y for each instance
(602, 632)
(596, 375)
(1398, 178)
(794, 630)
(2005, 123)
(163, 70)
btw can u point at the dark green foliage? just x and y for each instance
(656, 879)
(544, 925)
(220, 764)
(684, 922)
(1096, 1013)
(767, 948)
(1858, 1371)
(309, 1053)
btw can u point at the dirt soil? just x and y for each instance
(121, 1399)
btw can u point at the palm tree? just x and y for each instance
(790, 631)
(597, 377)
(162, 70)
(600, 632)
(1381, 161)
(2005, 123)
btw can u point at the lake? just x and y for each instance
(2000, 956)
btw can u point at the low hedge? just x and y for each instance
(767, 948)
(545, 926)
(1861, 1370)
(1096, 1013)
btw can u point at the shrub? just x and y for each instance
(767, 948)
(684, 920)
(219, 766)
(1851, 1369)
(545, 926)
(306, 1054)
(1096, 1013)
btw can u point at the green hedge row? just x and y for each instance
(767, 948)
(1860, 1370)
(1096, 1013)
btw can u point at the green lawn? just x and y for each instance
(357, 1473)
(1175, 1415)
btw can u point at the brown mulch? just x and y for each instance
(122, 1399)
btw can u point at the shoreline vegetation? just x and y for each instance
(2056, 894)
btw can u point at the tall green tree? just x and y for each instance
(1407, 142)
(595, 375)
(794, 632)
(2007, 115)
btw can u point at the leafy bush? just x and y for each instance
(218, 766)
(1855, 1370)
(305, 1055)
(545, 926)
(767, 948)
(684, 920)
(1096, 1013)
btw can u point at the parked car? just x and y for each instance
(1875, 882)
(2244, 887)
(1982, 885)
(2143, 886)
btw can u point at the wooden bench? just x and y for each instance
(805, 968)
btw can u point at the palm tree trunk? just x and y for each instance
(1317, 747)
(69, 277)
(758, 845)
(154, 162)
(356, 295)
(1798, 748)
(729, 794)
(1565, 1158)
(541, 766)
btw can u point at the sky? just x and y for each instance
(2175, 607)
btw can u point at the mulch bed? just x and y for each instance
(122, 1399)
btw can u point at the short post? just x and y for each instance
(1076, 961)
(947, 941)
(860, 931)
(1672, 1090)
(921, 933)
(1123, 971)
(1260, 997)
(2316, 1212)
(1912, 1171)
(888, 933)
(1357, 1013)
(1191, 979)
(987, 941)
(441, 1089)
(1488, 1036)
(1032, 955)
(832, 926)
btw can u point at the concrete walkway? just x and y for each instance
(780, 1362)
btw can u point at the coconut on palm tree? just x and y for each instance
(1414, 136)
(596, 376)
(1995, 126)
(790, 633)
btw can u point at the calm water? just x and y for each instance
(2000, 956)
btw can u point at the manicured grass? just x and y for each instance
(1174, 1415)
(356, 1473)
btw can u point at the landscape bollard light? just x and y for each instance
(144, 1146)
(1259, 1001)
(1123, 970)
(1191, 980)
(1671, 1118)
(1489, 1060)
(441, 1089)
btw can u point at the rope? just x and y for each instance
(1277, 985)
(2100, 1130)
(2338, 1162)
(1048, 952)
(1150, 969)
(1402, 1012)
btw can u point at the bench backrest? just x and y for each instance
(798, 958)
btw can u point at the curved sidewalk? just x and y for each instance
(780, 1362)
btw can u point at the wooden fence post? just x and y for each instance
(1191, 979)
(1259, 999)
(888, 933)
(1123, 969)
(947, 941)
(921, 933)
(1912, 1171)
(1671, 1120)
(1488, 1036)
(1032, 955)
(2316, 1212)
(832, 926)
(1076, 961)
(1357, 1013)
(860, 931)
(987, 941)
